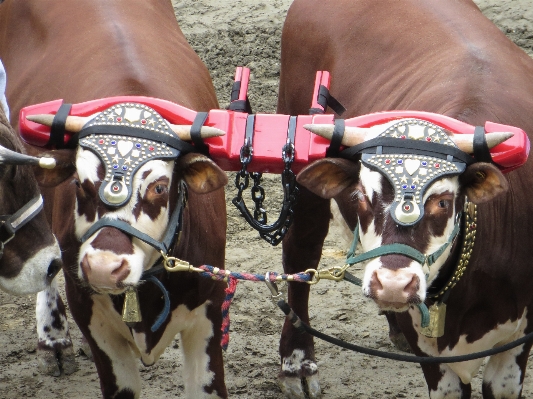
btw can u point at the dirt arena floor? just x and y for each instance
(227, 34)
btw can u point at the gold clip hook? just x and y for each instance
(315, 277)
(173, 264)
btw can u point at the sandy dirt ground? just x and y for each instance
(227, 34)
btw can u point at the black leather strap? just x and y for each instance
(325, 99)
(196, 137)
(57, 130)
(172, 141)
(336, 139)
(481, 149)
(236, 104)
(174, 227)
(399, 146)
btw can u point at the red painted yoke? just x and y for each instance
(270, 130)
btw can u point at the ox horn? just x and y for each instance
(357, 135)
(465, 142)
(75, 124)
(10, 157)
(72, 124)
(184, 131)
(352, 135)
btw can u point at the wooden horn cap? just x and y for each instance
(352, 135)
(72, 124)
(465, 142)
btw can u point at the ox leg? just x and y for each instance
(302, 248)
(504, 373)
(55, 353)
(110, 341)
(443, 383)
(203, 361)
(112, 346)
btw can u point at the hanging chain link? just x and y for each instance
(274, 232)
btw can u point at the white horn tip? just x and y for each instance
(493, 139)
(47, 163)
(43, 119)
(208, 131)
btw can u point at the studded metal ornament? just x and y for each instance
(412, 174)
(122, 155)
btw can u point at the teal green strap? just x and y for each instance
(424, 314)
(435, 255)
(388, 249)
(399, 249)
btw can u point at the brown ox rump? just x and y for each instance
(442, 57)
(85, 50)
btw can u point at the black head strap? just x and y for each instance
(173, 229)
(196, 128)
(336, 139)
(57, 130)
(481, 149)
(389, 145)
(325, 99)
(172, 141)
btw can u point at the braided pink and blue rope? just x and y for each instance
(233, 278)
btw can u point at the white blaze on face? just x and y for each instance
(390, 294)
(143, 254)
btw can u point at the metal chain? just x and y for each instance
(274, 232)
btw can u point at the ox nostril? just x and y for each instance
(54, 268)
(412, 288)
(121, 272)
(375, 283)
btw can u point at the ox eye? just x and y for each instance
(161, 189)
(443, 204)
(77, 183)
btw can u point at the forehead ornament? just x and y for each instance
(411, 172)
(125, 137)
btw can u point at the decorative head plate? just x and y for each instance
(124, 137)
(410, 173)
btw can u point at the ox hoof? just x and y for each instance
(68, 361)
(400, 343)
(54, 362)
(301, 387)
(47, 363)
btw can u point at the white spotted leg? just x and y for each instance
(55, 353)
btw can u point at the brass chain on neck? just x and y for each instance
(469, 237)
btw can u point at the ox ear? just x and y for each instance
(482, 182)
(329, 176)
(201, 174)
(64, 168)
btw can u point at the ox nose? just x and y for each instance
(104, 270)
(53, 268)
(394, 286)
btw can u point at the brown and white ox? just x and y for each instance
(29, 252)
(443, 57)
(87, 50)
